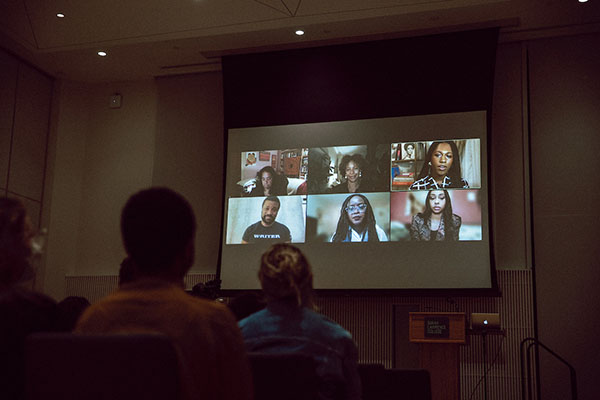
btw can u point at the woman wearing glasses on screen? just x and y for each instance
(441, 168)
(437, 222)
(357, 222)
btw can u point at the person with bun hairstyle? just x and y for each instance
(290, 324)
(441, 169)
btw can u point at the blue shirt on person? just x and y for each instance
(283, 327)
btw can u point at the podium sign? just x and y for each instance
(437, 327)
(439, 335)
(430, 327)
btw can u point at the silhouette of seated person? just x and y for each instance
(289, 324)
(22, 311)
(158, 229)
(69, 310)
(246, 304)
(126, 271)
(208, 290)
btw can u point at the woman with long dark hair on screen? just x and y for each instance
(437, 222)
(441, 168)
(357, 222)
(269, 183)
(351, 170)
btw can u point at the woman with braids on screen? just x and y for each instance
(269, 183)
(441, 168)
(357, 222)
(437, 222)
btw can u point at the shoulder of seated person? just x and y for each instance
(335, 329)
(18, 295)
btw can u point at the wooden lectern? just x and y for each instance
(439, 335)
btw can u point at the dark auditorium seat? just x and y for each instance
(394, 384)
(371, 379)
(283, 376)
(408, 384)
(97, 367)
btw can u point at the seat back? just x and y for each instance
(407, 384)
(371, 380)
(379, 383)
(289, 376)
(97, 367)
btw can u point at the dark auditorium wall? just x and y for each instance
(25, 99)
(509, 170)
(189, 130)
(25, 105)
(97, 157)
(565, 146)
(168, 135)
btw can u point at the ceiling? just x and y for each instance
(148, 38)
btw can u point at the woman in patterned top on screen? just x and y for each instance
(441, 169)
(437, 222)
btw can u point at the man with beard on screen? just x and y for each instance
(267, 230)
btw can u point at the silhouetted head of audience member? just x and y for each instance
(69, 311)
(22, 311)
(285, 274)
(158, 228)
(126, 271)
(209, 290)
(16, 234)
(246, 304)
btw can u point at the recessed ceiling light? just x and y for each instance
(583, 1)
(299, 32)
(60, 15)
(102, 53)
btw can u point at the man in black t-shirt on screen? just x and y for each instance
(267, 229)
